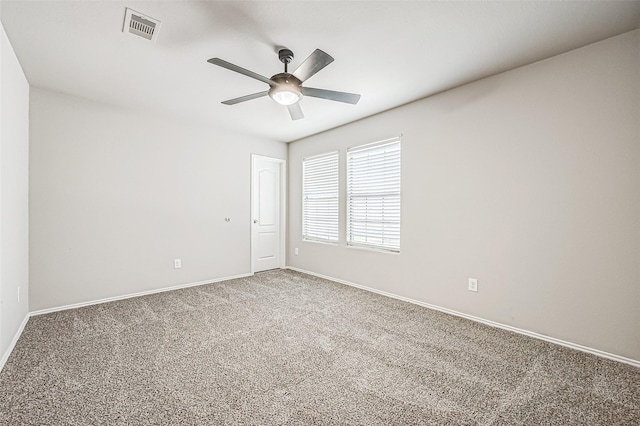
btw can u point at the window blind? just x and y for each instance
(373, 195)
(320, 198)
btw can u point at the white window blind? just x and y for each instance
(373, 195)
(320, 198)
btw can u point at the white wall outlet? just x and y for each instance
(473, 284)
(297, 251)
(18, 294)
(177, 263)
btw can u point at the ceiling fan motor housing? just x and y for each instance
(287, 90)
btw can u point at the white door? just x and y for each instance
(266, 209)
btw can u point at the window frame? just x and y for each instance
(336, 198)
(392, 197)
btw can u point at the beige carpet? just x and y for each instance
(289, 349)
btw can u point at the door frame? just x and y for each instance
(283, 208)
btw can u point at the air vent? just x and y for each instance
(140, 25)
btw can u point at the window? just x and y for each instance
(320, 198)
(373, 195)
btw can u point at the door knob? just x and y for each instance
(255, 220)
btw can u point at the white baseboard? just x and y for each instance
(130, 295)
(597, 352)
(12, 345)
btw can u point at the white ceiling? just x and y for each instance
(390, 52)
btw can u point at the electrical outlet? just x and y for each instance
(18, 294)
(177, 263)
(297, 252)
(473, 284)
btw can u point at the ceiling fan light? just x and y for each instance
(285, 95)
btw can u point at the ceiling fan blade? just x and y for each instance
(228, 65)
(348, 98)
(246, 98)
(314, 63)
(295, 111)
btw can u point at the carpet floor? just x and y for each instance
(285, 348)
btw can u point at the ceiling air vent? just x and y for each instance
(140, 25)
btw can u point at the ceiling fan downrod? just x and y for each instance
(285, 56)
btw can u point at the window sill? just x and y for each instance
(374, 249)
(326, 243)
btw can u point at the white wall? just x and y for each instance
(14, 196)
(116, 195)
(528, 181)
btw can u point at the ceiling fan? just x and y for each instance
(286, 88)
